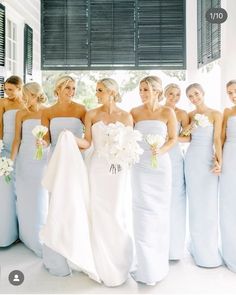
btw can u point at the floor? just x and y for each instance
(184, 278)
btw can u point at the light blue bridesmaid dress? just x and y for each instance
(202, 192)
(228, 196)
(53, 261)
(178, 203)
(8, 218)
(151, 189)
(32, 198)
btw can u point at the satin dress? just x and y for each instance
(151, 189)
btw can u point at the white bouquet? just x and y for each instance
(120, 147)
(1, 145)
(39, 131)
(6, 167)
(198, 120)
(155, 141)
(201, 120)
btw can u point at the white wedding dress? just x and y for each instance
(67, 229)
(111, 241)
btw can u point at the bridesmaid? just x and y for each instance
(178, 199)
(202, 166)
(152, 186)
(111, 242)
(8, 108)
(227, 182)
(64, 114)
(32, 198)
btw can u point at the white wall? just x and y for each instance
(21, 12)
(209, 80)
(228, 46)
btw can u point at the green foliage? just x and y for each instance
(86, 87)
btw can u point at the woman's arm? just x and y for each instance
(17, 138)
(84, 143)
(171, 129)
(184, 123)
(83, 114)
(1, 118)
(217, 142)
(45, 121)
(129, 120)
(224, 125)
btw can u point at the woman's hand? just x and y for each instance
(216, 168)
(155, 150)
(41, 142)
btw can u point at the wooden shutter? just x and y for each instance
(209, 35)
(113, 34)
(28, 51)
(2, 35)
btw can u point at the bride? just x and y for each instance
(110, 244)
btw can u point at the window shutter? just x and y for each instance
(161, 33)
(113, 34)
(1, 87)
(2, 35)
(209, 35)
(64, 32)
(28, 51)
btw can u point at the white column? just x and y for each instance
(191, 41)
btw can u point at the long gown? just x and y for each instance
(112, 244)
(228, 196)
(8, 216)
(202, 192)
(53, 261)
(32, 198)
(178, 203)
(151, 208)
(67, 229)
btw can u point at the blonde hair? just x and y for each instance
(197, 86)
(155, 84)
(36, 89)
(231, 82)
(112, 85)
(64, 80)
(171, 86)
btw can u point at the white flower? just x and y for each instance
(6, 167)
(39, 131)
(120, 147)
(155, 140)
(1, 145)
(201, 120)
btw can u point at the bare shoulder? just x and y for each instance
(182, 112)
(227, 112)
(46, 112)
(3, 101)
(91, 114)
(21, 114)
(137, 110)
(216, 114)
(79, 106)
(167, 111)
(126, 117)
